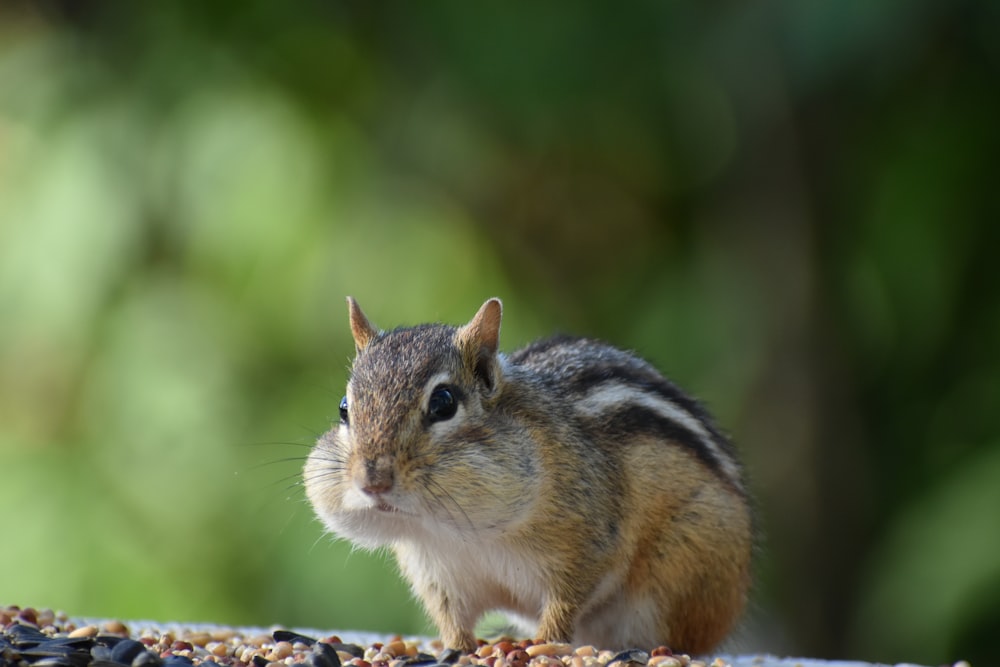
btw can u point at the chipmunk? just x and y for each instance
(568, 483)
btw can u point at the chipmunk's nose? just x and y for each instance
(376, 475)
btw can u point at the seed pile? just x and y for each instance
(43, 638)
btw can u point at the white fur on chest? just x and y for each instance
(482, 575)
(491, 576)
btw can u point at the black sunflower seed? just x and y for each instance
(99, 652)
(353, 650)
(44, 651)
(631, 656)
(25, 636)
(78, 643)
(101, 662)
(324, 655)
(147, 659)
(292, 637)
(450, 656)
(327, 653)
(124, 652)
(181, 661)
(54, 662)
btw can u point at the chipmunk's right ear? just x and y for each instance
(362, 330)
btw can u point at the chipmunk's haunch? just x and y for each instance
(568, 483)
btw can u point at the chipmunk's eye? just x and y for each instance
(343, 410)
(442, 404)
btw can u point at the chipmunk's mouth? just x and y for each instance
(383, 506)
(371, 504)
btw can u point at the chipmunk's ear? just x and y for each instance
(483, 331)
(479, 341)
(361, 328)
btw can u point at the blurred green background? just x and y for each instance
(791, 207)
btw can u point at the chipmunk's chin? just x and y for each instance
(370, 528)
(373, 521)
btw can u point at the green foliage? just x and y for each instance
(787, 206)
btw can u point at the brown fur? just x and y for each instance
(540, 495)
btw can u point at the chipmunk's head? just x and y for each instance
(418, 447)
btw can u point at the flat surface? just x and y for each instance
(37, 635)
(368, 638)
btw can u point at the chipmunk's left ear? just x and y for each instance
(479, 341)
(483, 331)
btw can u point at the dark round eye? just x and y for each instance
(343, 410)
(442, 405)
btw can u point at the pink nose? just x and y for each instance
(375, 476)
(375, 486)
